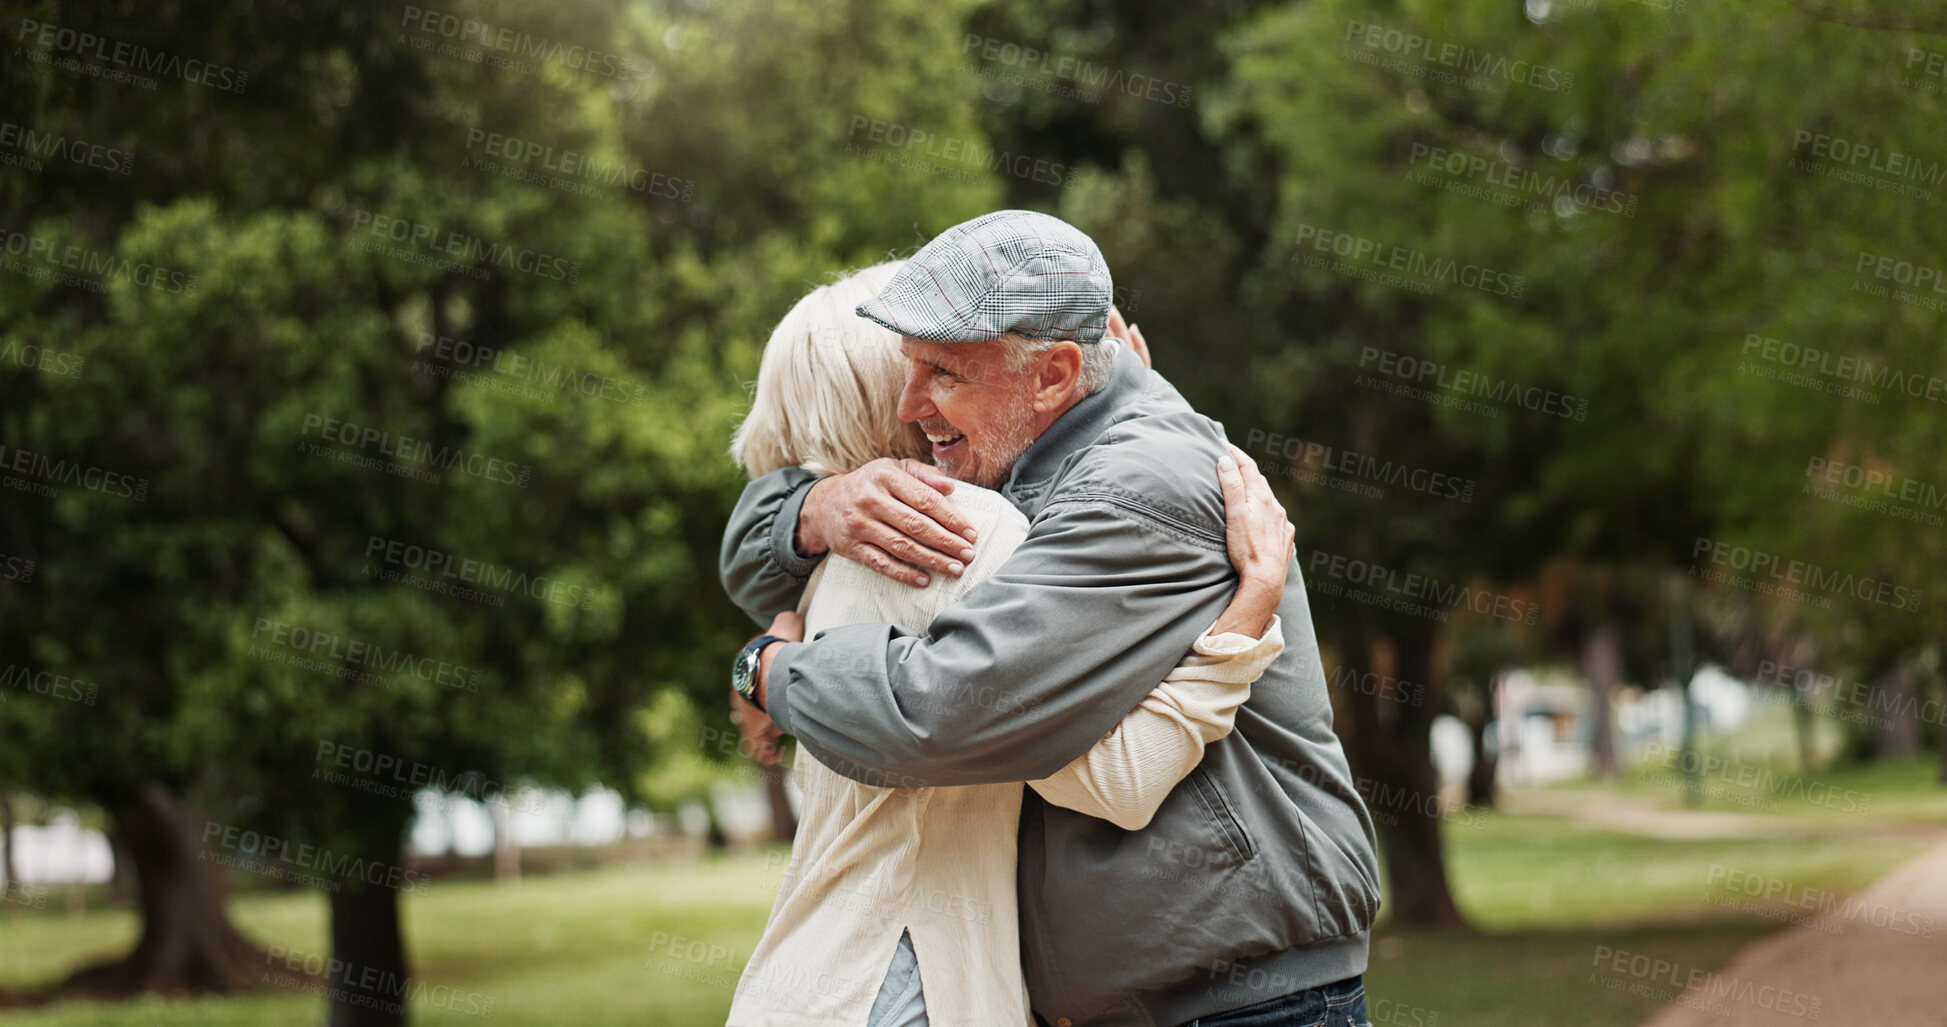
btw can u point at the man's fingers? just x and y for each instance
(939, 546)
(940, 524)
(902, 548)
(929, 474)
(878, 561)
(928, 499)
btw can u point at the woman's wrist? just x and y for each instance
(1250, 610)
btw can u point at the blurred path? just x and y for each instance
(1645, 817)
(1875, 959)
(1640, 816)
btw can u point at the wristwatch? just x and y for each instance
(743, 673)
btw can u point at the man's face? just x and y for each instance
(977, 414)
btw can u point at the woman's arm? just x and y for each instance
(1124, 777)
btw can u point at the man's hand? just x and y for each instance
(1128, 333)
(890, 515)
(754, 725)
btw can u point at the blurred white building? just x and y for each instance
(1543, 730)
(62, 852)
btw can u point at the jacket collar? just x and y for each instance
(1081, 425)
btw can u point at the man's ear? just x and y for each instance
(1058, 375)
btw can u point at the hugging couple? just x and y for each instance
(1064, 742)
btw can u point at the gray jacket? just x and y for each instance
(1257, 877)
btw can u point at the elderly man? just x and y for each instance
(1248, 899)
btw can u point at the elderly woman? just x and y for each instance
(898, 906)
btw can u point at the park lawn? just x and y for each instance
(1757, 769)
(1863, 797)
(1551, 900)
(568, 949)
(614, 947)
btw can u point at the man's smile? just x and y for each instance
(946, 440)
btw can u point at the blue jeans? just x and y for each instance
(1339, 1004)
(901, 1003)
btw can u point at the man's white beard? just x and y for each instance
(995, 459)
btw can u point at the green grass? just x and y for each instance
(1531, 977)
(1544, 895)
(569, 949)
(1547, 872)
(1757, 769)
(1738, 778)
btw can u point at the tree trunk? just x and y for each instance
(368, 985)
(784, 823)
(1683, 661)
(1794, 656)
(1480, 777)
(1896, 729)
(187, 944)
(507, 851)
(1390, 747)
(1602, 666)
(714, 835)
(1943, 756)
(118, 871)
(1802, 723)
(7, 879)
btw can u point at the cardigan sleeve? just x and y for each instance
(1124, 777)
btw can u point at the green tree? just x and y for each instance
(541, 352)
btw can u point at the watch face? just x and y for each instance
(744, 674)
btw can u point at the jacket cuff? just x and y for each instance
(784, 534)
(776, 691)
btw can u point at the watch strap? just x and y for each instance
(744, 683)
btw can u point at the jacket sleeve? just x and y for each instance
(1035, 665)
(1124, 777)
(759, 562)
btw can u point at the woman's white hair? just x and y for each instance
(827, 395)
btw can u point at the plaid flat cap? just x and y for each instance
(1009, 272)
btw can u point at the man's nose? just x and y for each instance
(913, 403)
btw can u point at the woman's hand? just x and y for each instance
(790, 627)
(1120, 329)
(757, 735)
(1260, 539)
